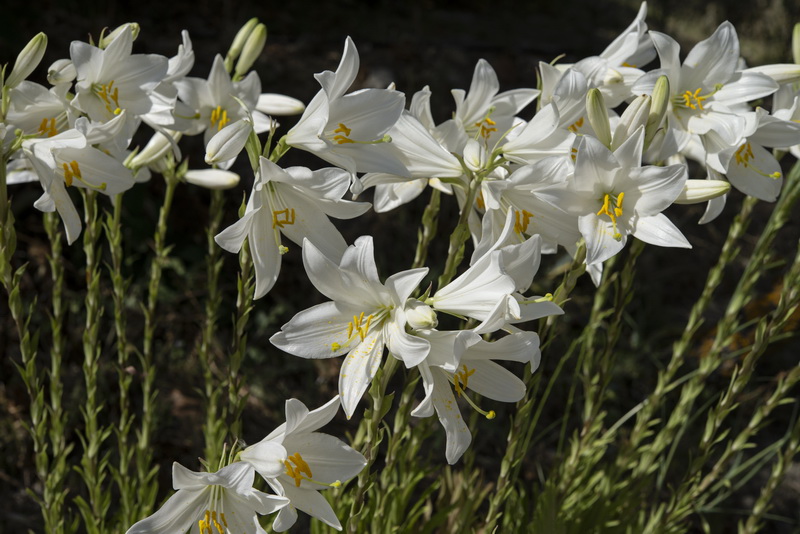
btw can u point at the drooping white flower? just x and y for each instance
(295, 202)
(363, 316)
(224, 502)
(298, 462)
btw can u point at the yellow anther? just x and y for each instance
(335, 346)
(281, 217)
(48, 127)
(486, 127)
(222, 516)
(219, 118)
(618, 208)
(297, 470)
(573, 154)
(110, 96)
(605, 210)
(343, 129)
(744, 154)
(521, 220)
(694, 100)
(626, 64)
(461, 379)
(480, 202)
(575, 125)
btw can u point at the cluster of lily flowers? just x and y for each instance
(602, 157)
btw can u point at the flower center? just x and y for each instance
(521, 220)
(281, 217)
(210, 524)
(694, 99)
(612, 213)
(219, 118)
(460, 381)
(297, 470)
(575, 125)
(109, 95)
(48, 127)
(744, 154)
(486, 127)
(72, 171)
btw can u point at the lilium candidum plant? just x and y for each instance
(547, 183)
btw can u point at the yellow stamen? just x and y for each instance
(626, 64)
(345, 138)
(575, 125)
(48, 127)
(110, 96)
(297, 470)
(744, 154)
(461, 379)
(521, 222)
(219, 118)
(573, 154)
(613, 215)
(281, 217)
(486, 127)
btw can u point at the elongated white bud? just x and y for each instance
(228, 142)
(212, 178)
(658, 108)
(279, 105)
(252, 49)
(27, 60)
(61, 71)
(155, 149)
(634, 117)
(597, 114)
(695, 191)
(238, 42)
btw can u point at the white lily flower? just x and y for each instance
(707, 89)
(614, 196)
(295, 202)
(363, 316)
(350, 131)
(68, 160)
(463, 359)
(113, 79)
(298, 462)
(224, 502)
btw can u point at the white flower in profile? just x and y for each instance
(65, 160)
(350, 130)
(298, 462)
(614, 196)
(461, 361)
(295, 202)
(363, 316)
(224, 502)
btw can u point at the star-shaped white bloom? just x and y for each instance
(363, 316)
(297, 462)
(224, 502)
(295, 202)
(613, 196)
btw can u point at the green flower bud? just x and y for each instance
(27, 60)
(252, 49)
(597, 113)
(658, 108)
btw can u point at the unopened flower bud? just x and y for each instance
(634, 117)
(61, 71)
(474, 155)
(280, 105)
(27, 60)
(695, 191)
(238, 42)
(419, 315)
(252, 49)
(796, 43)
(658, 108)
(155, 149)
(212, 178)
(597, 113)
(228, 142)
(780, 72)
(134, 29)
